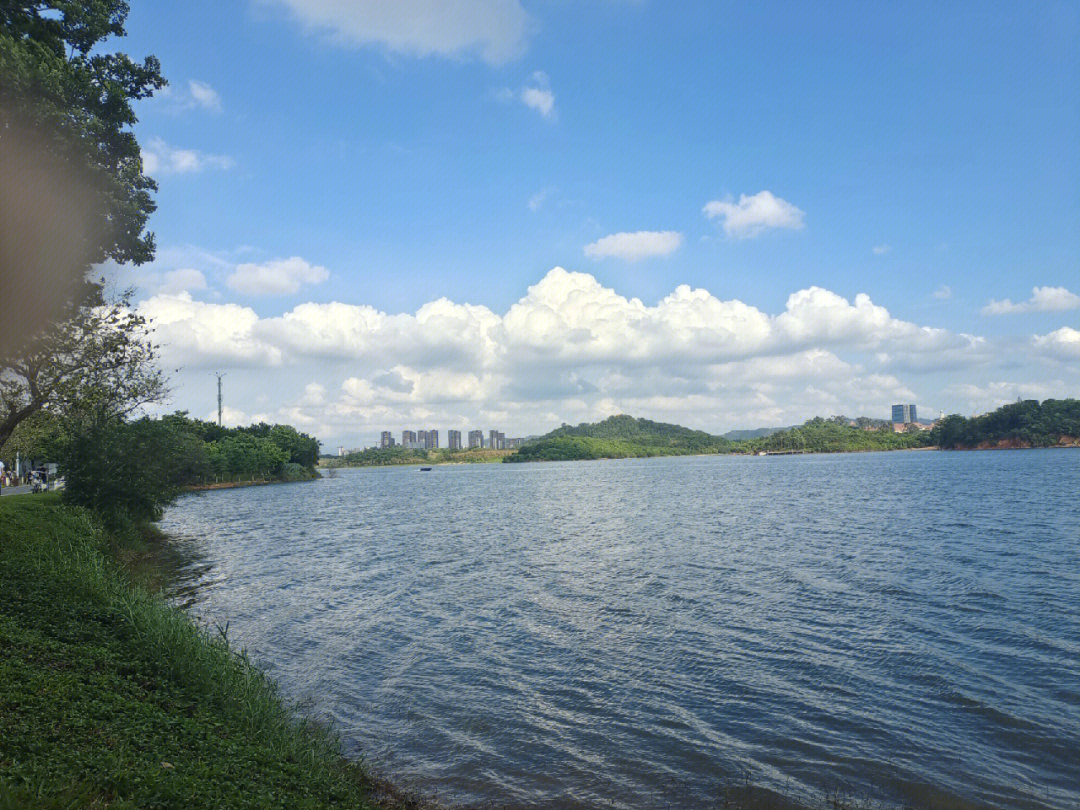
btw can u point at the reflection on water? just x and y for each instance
(642, 633)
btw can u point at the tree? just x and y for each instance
(95, 364)
(72, 194)
(72, 189)
(127, 471)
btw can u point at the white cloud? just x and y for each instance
(881, 250)
(943, 292)
(752, 215)
(195, 95)
(204, 95)
(494, 30)
(1043, 299)
(536, 95)
(536, 201)
(160, 158)
(539, 99)
(635, 246)
(1063, 343)
(200, 334)
(185, 279)
(571, 349)
(279, 277)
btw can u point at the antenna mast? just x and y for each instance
(219, 376)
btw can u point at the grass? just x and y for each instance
(111, 698)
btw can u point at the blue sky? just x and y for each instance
(328, 168)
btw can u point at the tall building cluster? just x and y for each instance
(429, 440)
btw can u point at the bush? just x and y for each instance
(127, 472)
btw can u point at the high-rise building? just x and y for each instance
(904, 414)
(453, 439)
(495, 442)
(432, 440)
(408, 437)
(386, 440)
(340, 451)
(422, 438)
(476, 438)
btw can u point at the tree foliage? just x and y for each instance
(837, 435)
(72, 188)
(1026, 423)
(72, 194)
(619, 436)
(128, 471)
(95, 364)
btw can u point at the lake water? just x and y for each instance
(644, 633)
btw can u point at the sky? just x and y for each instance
(511, 214)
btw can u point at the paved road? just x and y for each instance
(16, 490)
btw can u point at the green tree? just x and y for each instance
(72, 188)
(92, 366)
(127, 472)
(72, 194)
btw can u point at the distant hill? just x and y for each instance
(619, 436)
(755, 433)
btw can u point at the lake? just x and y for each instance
(645, 633)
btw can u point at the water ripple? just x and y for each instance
(641, 633)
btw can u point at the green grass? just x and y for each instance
(111, 698)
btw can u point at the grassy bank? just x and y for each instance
(110, 698)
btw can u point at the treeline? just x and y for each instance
(574, 448)
(391, 456)
(127, 470)
(1021, 424)
(626, 437)
(837, 435)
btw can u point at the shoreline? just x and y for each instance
(239, 484)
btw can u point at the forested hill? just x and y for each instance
(619, 436)
(836, 435)
(1020, 424)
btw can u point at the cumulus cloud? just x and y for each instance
(881, 250)
(1063, 343)
(184, 279)
(567, 319)
(159, 158)
(495, 30)
(753, 215)
(943, 292)
(571, 349)
(279, 277)
(1043, 299)
(197, 333)
(635, 246)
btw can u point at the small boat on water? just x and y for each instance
(425, 469)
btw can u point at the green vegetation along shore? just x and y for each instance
(625, 437)
(392, 456)
(1054, 422)
(111, 698)
(1018, 425)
